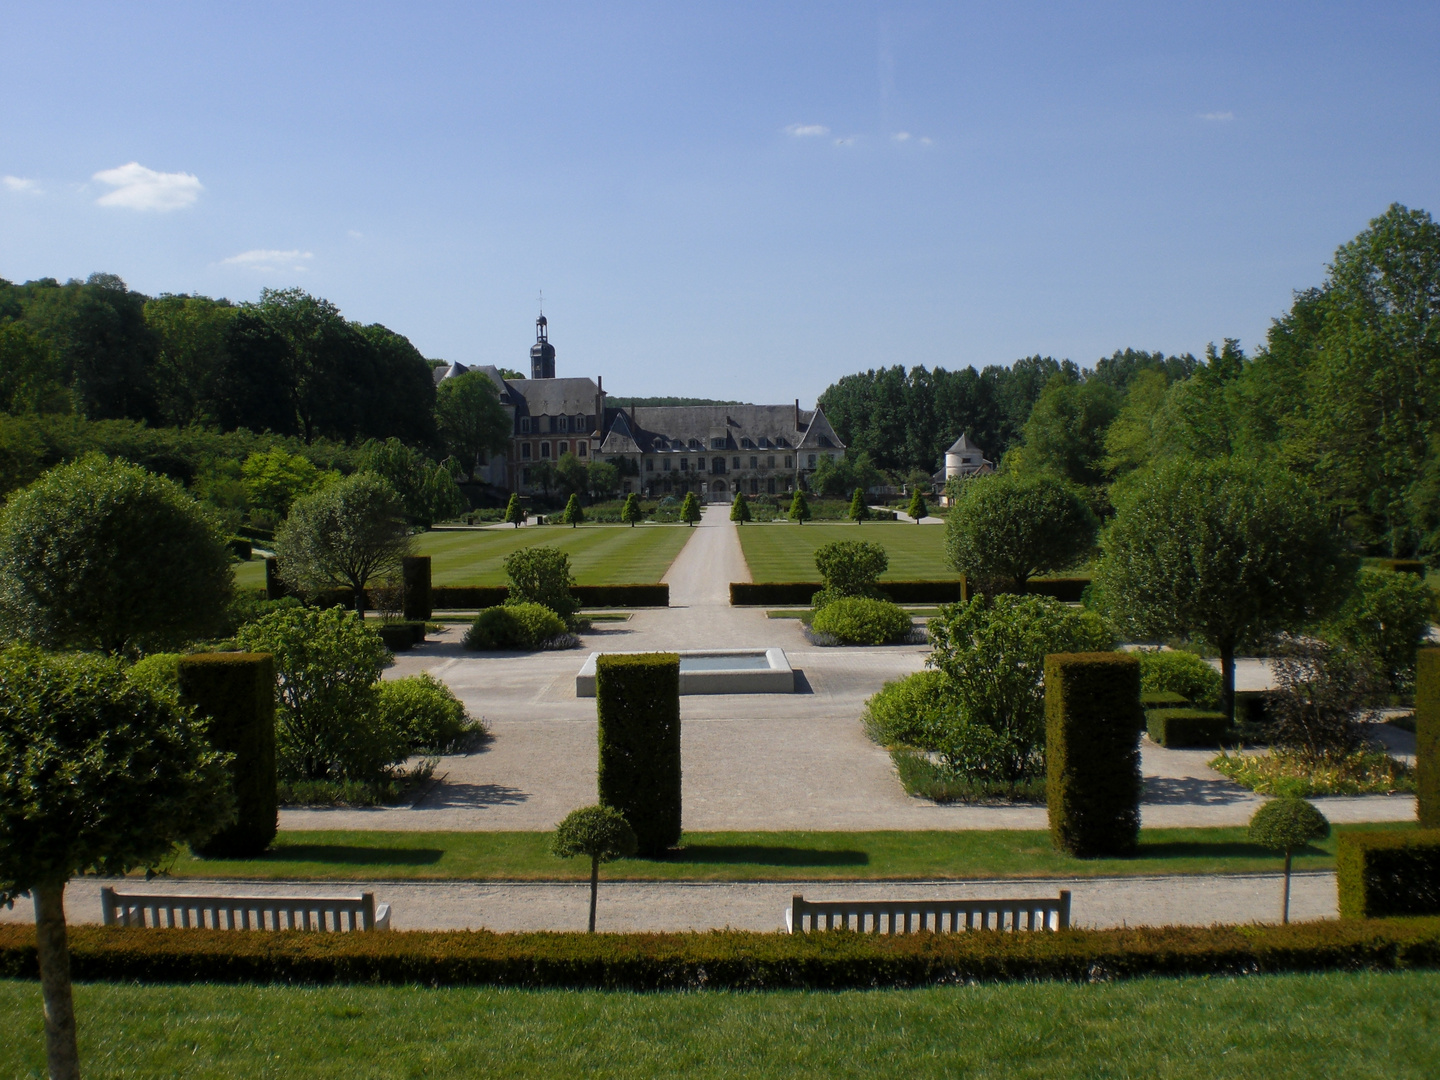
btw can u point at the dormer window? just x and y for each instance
(524, 425)
(747, 444)
(695, 444)
(764, 443)
(717, 444)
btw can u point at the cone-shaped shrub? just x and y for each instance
(859, 511)
(690, 509)
(573, 514)
(637, 703)
(917, 508)
(631, 513)
(740, 509)
(1092, 752)
(799, 507)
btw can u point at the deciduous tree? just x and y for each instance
(469, 418)
(1004, 529)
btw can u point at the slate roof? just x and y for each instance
(962, 444)
(673, 429)
(553, 397)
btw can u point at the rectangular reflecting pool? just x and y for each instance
(717, 671)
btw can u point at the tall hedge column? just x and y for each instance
(236, 691)
(415, 577)
(1427, 737)
(1092, 752)
(637, 703)
(274, 586)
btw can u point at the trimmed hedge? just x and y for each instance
(236, 691)
(1381, 874)
(723, 960)
(401, 636)
(518, 626)
(1402, 566)
(1186, 727)
(477, 597)
(797, 593)
(415, 580)
(1427, 737)
(857, 620)
(637, 703)
(1092, 752)
(1164, 699)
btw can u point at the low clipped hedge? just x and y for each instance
(1382, 874)
(1164, 699)
(1427, 737)
(856, 620)
(516, 626)
(477, 597)
(400, 636)
(1186, 727)
(796, 593)
(724, 959)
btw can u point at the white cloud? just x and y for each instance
(356, 234)
(849, 140)
(901, 136)
(802, 131)
(925, 140)
(19, 183)
(1221, 116)
(269, 261)
(139, 188)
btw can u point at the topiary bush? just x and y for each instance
(541, 575)
(855, 620)
(1287, 825)
(904, 711)
(637, 704)
(1183, 673)
(427, 714)
(849, 568)
(518, 626)
(415, 578)
(1092, 724)
(600, 833)
(1427, 738)
(235, 693)
(1186, 727)
(1382, 874)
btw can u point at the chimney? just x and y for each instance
(797, 414)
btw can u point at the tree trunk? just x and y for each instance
(594, 888)
(61, 1054)
(1227, 682)
(1285, 911)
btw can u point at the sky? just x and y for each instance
(733, 200)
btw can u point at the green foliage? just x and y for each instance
(103, 555)
(1092, 727)
(515, 513)
(1427, 738)
(917, 508)
(1316, 710)
(596, 832)
(928, 779)
(1386, 874)
(835, 477)
(234, 693)
(1064, 434)
(274, 479)
(1287, 824)
(427, 491)
(101, 774)
(469, 418)
(328, 720)
(740, 509)
(1385, 618)
(1223, 551)
(347, 534)
(573, 515)
(570, 473)
(517, 625)
(904, 712)
(1286, 773)
(631, 513)
(859, 509)
(637, 704)
(856, 620)
(993, 651)
(690, 509)
(32, 378)
(1184, 727)
(849, 568)
(1004, 529)
(799, 508)
(427, 714)
(603, 479)
(541, 575)
(1178, 672)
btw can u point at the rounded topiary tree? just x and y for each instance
(573, 514)
(740, 509)
(799, 508)
(690, 509)
(917, 508)
(541, 575)
(103, 555)
(514, 512)
(1287, 825)
(859, 511)
(1005, 529)
(849, 568)
(98, 773)
(631, 512)
(599, 832)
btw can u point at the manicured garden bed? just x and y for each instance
(786, 552)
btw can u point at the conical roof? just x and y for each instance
(962, 444)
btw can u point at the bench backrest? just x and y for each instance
(245, 912)
(938, 916)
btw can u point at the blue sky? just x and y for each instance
(727, 200)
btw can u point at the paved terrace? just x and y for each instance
(751, 761)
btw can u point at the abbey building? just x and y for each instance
(712, 450)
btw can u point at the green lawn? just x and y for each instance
(750, 856)
(786, 552)
(1357, 1026)
(599, 554)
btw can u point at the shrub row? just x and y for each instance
(795, 593)
(476, 597)
(1186, 727)
(726, 959)
(1381, 874)
(1402, 566)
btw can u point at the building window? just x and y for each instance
(545, 452)
(582, 448)
(755, 487)
(770, 486)
(684, 464)
(665, 464)
(755, 462)
(525, 425)
(718, 465)
(735, 463)
(717, 444)
(789, 462)
(770, 462)
(525, 451)
(554, 423)
(649, 464)
(700, 464)
(525, 476)
(811, 459)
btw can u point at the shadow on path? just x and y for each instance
(1192, 791)
(458, 794)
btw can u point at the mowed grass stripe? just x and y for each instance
(786, 552)
(752, 856)
(1356, 1025)
(599, 554)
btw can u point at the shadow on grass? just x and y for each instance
(348, 855)
(766, 855)
(1233, 849)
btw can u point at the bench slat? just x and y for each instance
(899, 916)
(316, 913)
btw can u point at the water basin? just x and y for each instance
(717, 671)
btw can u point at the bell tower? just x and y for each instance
(542, 353)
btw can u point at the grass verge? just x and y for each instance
(786, 552)
(1357, 1025)
(753, 856)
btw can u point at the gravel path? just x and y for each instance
(631, 906)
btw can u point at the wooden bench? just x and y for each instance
(333, 913)
(937, 916)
